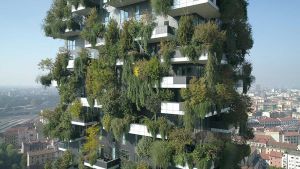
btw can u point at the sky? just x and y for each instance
(275, 54)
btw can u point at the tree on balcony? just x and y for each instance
(91, 147)
(161, 7)
(93, 28)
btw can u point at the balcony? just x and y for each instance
(104, 164)
(175, 82)
(81, 10)
(121, 3)
(74, 147)
(172, 108)
(70, 64)
(85, 103)
(177, 108)
(71, 32)
(204, 8)
(178, 58)
(140, 129)
(164, 32)
(83, 122)
(100, 42)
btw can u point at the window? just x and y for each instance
(123, 16)
(137, 13)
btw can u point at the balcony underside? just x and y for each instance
(121, 3)
(81, 10)
(82, 123)
(204, 8)
(71, 33)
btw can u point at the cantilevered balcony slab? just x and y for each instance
(121, 3)
(70, 33)
(72, 146)
(100, 42)
(82, 122)
(140, 129)
(204, 8)
(164, 32)
(178, 58)
(175, 82)
(85, 103)
(104, 164)
(177, 108)
(70, 64)
(81, 10)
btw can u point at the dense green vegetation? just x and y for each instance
(131, 93)
(10, 158)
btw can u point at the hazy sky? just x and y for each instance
(275, 55)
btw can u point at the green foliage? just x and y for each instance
(163, 127)
(233, 154)
(185, 30)
(75, 109)
(128, 164)
(143, 148)
(9, 157)
(92, 143)
(55, 21)
(93, 28)
(161, 154)
(127, 38)
(152, 127)
(148, 70)
(167, 51)
(46, 64)
(106, 121)
(66, 160)
(60, 71)
(46, 80)
(99, 77)
(166, 95)
(178, 139)
(161, 7)
(120, 126)
(142, 165)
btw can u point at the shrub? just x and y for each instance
(76, 109)
(161, 154)
(161, 6)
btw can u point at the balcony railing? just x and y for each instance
(140, 129)
(104, 164)
(85, 103)
(177, 108)
(205, 8)
(164, 32)
(81, 10)
(175, 82)
(172, 108)
(100, 42)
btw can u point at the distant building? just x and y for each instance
(291, 137)
(19, 134)
(37, 159)
(38, 153)
(273, 158)
(291, 160)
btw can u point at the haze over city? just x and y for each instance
(275, 54)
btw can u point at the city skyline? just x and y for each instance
(271, 30)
